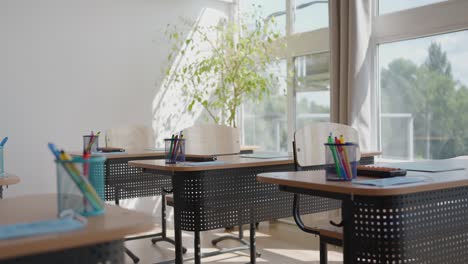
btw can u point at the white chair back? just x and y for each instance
(131, 137)
(310, 140)
(211, 139)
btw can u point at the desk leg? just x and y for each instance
(346, 215)
(197, 248)
(253, 251)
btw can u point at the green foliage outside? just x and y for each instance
(227, 65)
(437, 102)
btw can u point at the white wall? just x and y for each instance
(71, 66)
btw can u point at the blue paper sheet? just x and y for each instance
(389, 181)
(204, 163)
(39, 228)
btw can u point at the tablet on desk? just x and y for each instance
(204, 163)
(266, 155)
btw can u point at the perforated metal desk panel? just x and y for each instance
(223, 195)
(125, 182)
(415, 223)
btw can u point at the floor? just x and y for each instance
(278, 243)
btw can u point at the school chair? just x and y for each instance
(309, 152)
(211, 139)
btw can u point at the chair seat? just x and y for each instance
(325, 229)
(328, 230)
(170, 200)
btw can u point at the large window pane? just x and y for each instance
(266, 8)
(312, 86)
(424, 97)
(310, 15)
(389, 6)
(265, 124)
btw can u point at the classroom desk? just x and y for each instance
(216, 196)
(425, 222)
(8, 179)
(101, 241)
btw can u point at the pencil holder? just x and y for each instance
(340, 161)
(79, 180)
(174, 150)
(2, 169)
(95, 143)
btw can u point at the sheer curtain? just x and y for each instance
(350, 50)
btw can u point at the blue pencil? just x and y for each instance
(4, 141)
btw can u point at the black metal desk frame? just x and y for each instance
(108, 252)
(212, 199)
(427, 227)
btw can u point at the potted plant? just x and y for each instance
(228, 64)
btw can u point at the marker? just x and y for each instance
(341, 159)
(170, 148)
(348, 164)
(333, 150)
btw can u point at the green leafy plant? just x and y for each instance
(228, 63)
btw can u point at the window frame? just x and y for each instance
(446, 17)
(298, 44)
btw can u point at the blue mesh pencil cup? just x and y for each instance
(341, 161)
(80, 185)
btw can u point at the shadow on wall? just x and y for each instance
(170, 113)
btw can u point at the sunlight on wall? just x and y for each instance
(170, 113)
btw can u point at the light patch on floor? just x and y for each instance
(305, 255)
(278, 243)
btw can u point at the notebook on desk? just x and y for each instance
(389, 181)
(430, 165)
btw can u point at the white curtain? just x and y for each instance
(350, 55)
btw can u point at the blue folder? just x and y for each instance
(40, 228)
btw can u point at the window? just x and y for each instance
(265, 124)
(424, 94)
(312, 86)
(306, 97)
(310, 15)
(422, 76)
(390, 6)
(266, 8)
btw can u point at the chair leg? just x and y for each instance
(129, 253)
(134, 258)
(323, 252)
(163, 235)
